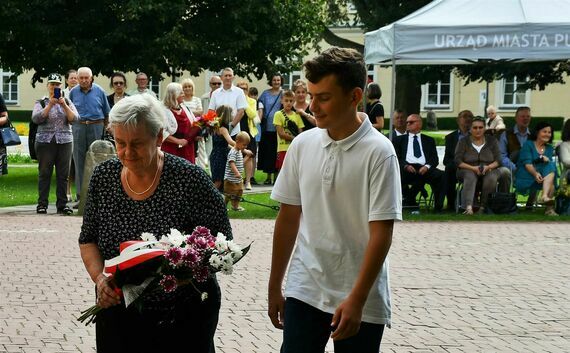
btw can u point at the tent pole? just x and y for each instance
(392, 98)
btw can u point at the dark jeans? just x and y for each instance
(307, 330)
(50, 155)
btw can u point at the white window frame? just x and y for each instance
(5, 75)
(152, 85)
(438, 106)
(290, 78)
(500, 95)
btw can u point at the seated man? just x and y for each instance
(418, 163)
(398, 126)
(463, 125)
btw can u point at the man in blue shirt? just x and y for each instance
(91, 103)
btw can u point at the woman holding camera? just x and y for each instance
(477, 157)
(54, 143)
(536, 169)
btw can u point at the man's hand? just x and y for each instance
(423, 170)
(410, 169)
(346, 319)
(276, 305)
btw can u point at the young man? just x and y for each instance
(340, 193)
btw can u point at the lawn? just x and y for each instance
(19, 187)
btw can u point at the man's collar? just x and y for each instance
(347, 143)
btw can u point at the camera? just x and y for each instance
(57, 93)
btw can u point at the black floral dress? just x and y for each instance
(185, 198)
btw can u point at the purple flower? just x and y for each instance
(201, 273)
(173, 255)
(190, 257)
(201, 232)
(168, 283)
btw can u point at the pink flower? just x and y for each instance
(201, 273)
(173, 255)
(201, 232)
(190, 257)
(168, 283)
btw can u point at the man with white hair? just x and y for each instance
(142, 85)
(230, 95)
(91, 102)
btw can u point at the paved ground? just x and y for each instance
(458, 287)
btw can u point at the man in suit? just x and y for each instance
(418, 163)
(398, 125)
(463, 125)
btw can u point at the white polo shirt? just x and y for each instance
(234, 97)
(341, 186)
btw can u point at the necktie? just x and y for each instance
(417, 150)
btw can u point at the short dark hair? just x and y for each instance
(465, 113)
(478, 118)
(69, 72)
(541, 125)
(374, 91)
(521, 108)
(277, 74)
(118, 74)
(346, 64)
(566, 130)
(253, 91)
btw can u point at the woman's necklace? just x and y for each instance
(540, 149)
(151, 184)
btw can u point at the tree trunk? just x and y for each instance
(408, 93)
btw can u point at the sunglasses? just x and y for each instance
(118, 83)
(215, 83)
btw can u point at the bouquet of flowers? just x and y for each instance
(173, 261)
(208, 122)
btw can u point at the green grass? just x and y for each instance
(439, 136)
(20, 186)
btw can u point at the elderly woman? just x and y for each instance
(54, 144)
(119, 85)
(536, 169)
(190, 100)
(181, 143)
(494, 122)
(477, 158)
(146, 190)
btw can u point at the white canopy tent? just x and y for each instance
(465, 31)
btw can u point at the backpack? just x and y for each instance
(290, 125)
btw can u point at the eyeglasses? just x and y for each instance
(411, 122)
(118, 83)
(215, 83)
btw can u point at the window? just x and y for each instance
(289, 79)
(371, 74)
(437, 95)
(154, 86)
(510, 95)
(9, 87)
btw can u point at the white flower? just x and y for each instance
(148, 237)
(176, 238)
(227, 268)
(221, 242)
(204, 296)
(216, 261)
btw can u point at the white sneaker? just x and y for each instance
(248, 186)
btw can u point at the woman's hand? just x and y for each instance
(182, 143)
(106, 295)
(62, 101)
(53, 101)
(538, 178)
(247, 152)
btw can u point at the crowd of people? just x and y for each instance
(482, 156)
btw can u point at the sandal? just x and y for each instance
(65, 211)
(41, 210)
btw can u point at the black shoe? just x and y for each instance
(41, 210)
(65, 211)
(267, 182)
(253, 181)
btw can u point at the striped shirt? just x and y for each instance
(237, 157)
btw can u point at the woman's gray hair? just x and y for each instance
(173, 91)
(138, 109)
(491, 108)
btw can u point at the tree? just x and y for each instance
(374, 14)
(158, 36)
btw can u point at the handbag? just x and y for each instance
(502, 203)
(10, 136)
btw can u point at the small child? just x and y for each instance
(233, 183)
(288, 124)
